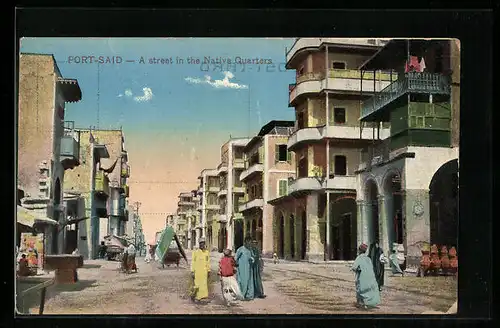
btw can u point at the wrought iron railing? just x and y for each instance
(414, 82)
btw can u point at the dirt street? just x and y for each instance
(291, 288)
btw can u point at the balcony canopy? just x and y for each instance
(70, 89)
(396, 51)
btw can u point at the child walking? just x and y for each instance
(227, 270)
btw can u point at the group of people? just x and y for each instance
(240, 275)
(370, 271)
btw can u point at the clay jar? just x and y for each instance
(435, 261)
(425, 261)
(445, 260)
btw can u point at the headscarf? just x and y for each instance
(362, 248)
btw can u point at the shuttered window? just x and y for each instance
(282, 188)
(281, 153)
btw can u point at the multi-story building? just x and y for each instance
(189, 217)
(209, 205)
(231, 194)
(47, 144)
(268, 166)
(102, 179)
(408, 182)
(318, 216)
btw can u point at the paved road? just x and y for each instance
(292, 288)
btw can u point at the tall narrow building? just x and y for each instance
(209, 205)
(408, 182)
(231, 194)
(317, 219)
(268, 166)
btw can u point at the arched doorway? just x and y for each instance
(292, 236)
(303, 229)
(344, 229)
(443, 196)
(260, 232)
(281, 236)
(238, 233)
(371, 193)
(222, 237)
(394, 200)
(57, 202)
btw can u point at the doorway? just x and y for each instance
(346, 237)
(303, 226)
(281, 237)
(292, 236)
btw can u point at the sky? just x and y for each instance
(177, 101)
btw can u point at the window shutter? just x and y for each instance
(261, 154)
(277, 153)
(288, 156)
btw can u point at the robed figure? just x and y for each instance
(200, 271)
(245, 276)
(367, 290)
(257, 269)
(376, 255)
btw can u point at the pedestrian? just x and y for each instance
(200, 272)
(227, 270)
(257, 269)
(148, 257)
(244, 276)
(367, 290)
(376, 255)
(131, 258)
(102, 250)
(125, 260)
(394, 262)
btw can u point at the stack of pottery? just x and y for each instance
(425, 261)
(445, 260)
(453, 260)
(435, 261)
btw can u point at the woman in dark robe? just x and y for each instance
(377, 257)
(257, 269)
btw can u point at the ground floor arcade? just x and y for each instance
(300, 229)
(409, 201)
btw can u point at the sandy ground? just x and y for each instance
(291, 288)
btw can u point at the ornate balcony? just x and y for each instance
(255, 168)
(412, 82)
(254, 203)
(101, 183)
(309, 134)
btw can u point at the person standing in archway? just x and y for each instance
(376, 255)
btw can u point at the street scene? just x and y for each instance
(237, 176)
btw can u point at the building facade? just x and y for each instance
(189, 218)
(47, 144)
(102, 180)
(231, 194)
(408, 182)
(209, 206)
(268, 167)
(317, 218)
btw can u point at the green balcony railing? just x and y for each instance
(428, 83)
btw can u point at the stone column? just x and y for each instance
(297, 238)
(364, 222)
(315, 251)
(287, 242)
(189, 241)
(198, 235)
(417, 224)
(382, 223)
(267, 230)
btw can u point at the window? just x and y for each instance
(282, 188)
(282, 154)
(339, 115)
(338, 65)
(340, 164)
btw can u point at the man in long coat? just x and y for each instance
(244, 276)
(257, 269)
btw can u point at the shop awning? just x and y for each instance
(28, 217)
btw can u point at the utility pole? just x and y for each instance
(137, 205)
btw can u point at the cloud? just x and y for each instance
(147, 96)
(127, 93)
(218, 84)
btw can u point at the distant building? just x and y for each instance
(209, 205)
